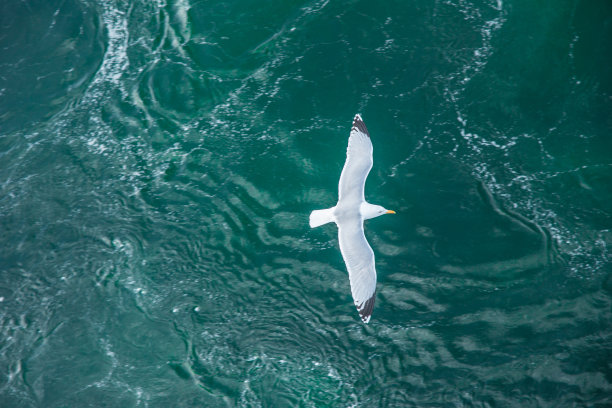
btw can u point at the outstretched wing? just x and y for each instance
(358, 163)
(359, 259)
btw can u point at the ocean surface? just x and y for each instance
(159, 160)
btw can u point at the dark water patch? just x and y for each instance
(50, 51)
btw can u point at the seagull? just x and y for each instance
(349, 213)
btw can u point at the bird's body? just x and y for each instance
(349, 214)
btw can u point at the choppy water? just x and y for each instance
(159, 159)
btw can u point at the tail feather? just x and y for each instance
(320, 217)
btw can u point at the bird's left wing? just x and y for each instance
(359, 259)
(358, 163)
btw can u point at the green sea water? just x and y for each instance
(159, 160)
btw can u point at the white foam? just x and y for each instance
(181, 9)
(115, 60)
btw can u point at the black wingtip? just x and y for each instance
(360, 125)
(366, 308)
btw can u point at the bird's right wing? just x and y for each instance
(359, 259)
(358, 163)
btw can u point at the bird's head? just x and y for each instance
(372, 211)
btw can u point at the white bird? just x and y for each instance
(349, 214)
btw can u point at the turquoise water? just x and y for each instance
(159, 160)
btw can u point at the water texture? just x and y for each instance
(159, 160)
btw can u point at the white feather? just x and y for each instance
(349, 214)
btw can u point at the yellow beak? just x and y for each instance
(390, 212)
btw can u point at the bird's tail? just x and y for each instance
(320, 217)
